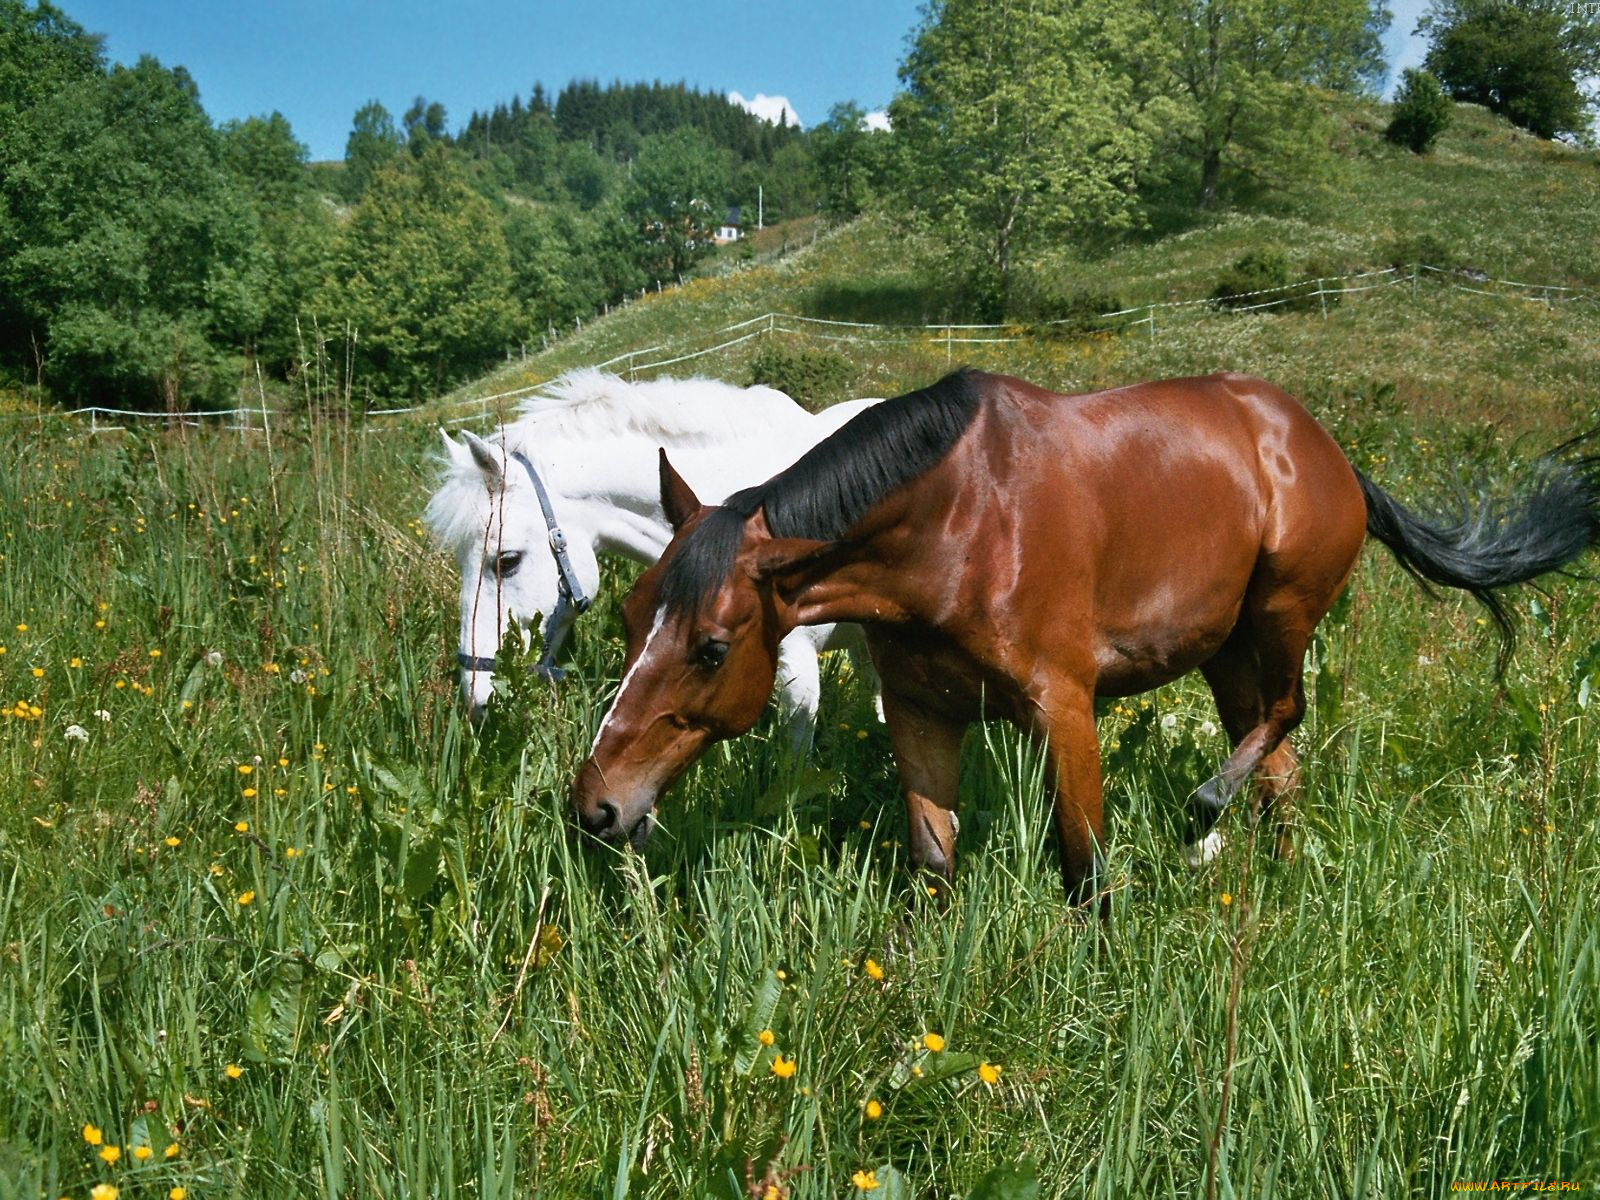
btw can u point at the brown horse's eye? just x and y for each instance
(505, 565)
(711, 654)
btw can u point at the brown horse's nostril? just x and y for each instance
(604, 821)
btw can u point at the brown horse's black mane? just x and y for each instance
(831, 486)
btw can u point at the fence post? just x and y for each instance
(949, 346)
(1322, 298)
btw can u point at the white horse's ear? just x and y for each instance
(485, 455)
(453, 449)
(678, 500)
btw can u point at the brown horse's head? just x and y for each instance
(703, 627)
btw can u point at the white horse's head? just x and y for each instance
(488, 512)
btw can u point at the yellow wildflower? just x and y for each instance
(172, 841)
(874, 1110)
(241, 826)
(92, 1134)
(171, 1151)
(233, 1070)
(246, 898)
(873, 970)
(765, 1037)
(866, 1181)
(102, 1191)
(110, 1153)
(933, 1042)
(1227, 899)
(989, 1073)
(141, 1152)
(783, 1067)
(178, 1193)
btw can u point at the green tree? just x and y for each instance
(421, 280)
(425, 124)
(846, 152)
(1019, 125)
(676, 197)
(1522, 61)
(1240, 70)
(552, 278)
(41, 51)
(373, 143)
(297, 229)
(128, 253)
(1421, 112)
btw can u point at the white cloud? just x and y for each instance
(878, 120)
(768, 108)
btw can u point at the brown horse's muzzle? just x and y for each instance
(614, 816)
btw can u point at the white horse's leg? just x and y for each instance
(799, 688)
(853, 642)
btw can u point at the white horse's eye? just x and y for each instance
(505, 565)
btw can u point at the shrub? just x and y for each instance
(1045, 301)
(1258, 271)
(1421, 112)
(1412, 250)
(1267, 271)
(814, 378)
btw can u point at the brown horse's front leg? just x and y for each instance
(1073, 753)
(927, 749)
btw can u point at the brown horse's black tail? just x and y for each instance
(1483, 545)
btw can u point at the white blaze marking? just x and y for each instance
(627, 678)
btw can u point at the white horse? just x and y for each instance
(591, 445)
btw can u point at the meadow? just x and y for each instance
(275, 921)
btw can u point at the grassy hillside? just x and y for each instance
(265, 900)
(1490, 201)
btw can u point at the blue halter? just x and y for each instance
(570, 596)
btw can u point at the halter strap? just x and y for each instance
(570, 595)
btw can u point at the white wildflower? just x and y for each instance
(297, 676)
(1208, 729)
(214, 659)
(75, 733)
(1169, 722)
(102, 714)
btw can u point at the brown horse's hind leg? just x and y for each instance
(1256, 682)
(927, 749)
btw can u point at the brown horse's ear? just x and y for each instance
(677, 497)
(772, 557)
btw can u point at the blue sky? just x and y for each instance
(317, 61)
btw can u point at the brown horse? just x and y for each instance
(1016, 553)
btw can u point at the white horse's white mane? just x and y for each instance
(591, 405)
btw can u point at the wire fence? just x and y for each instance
(1148, 319)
